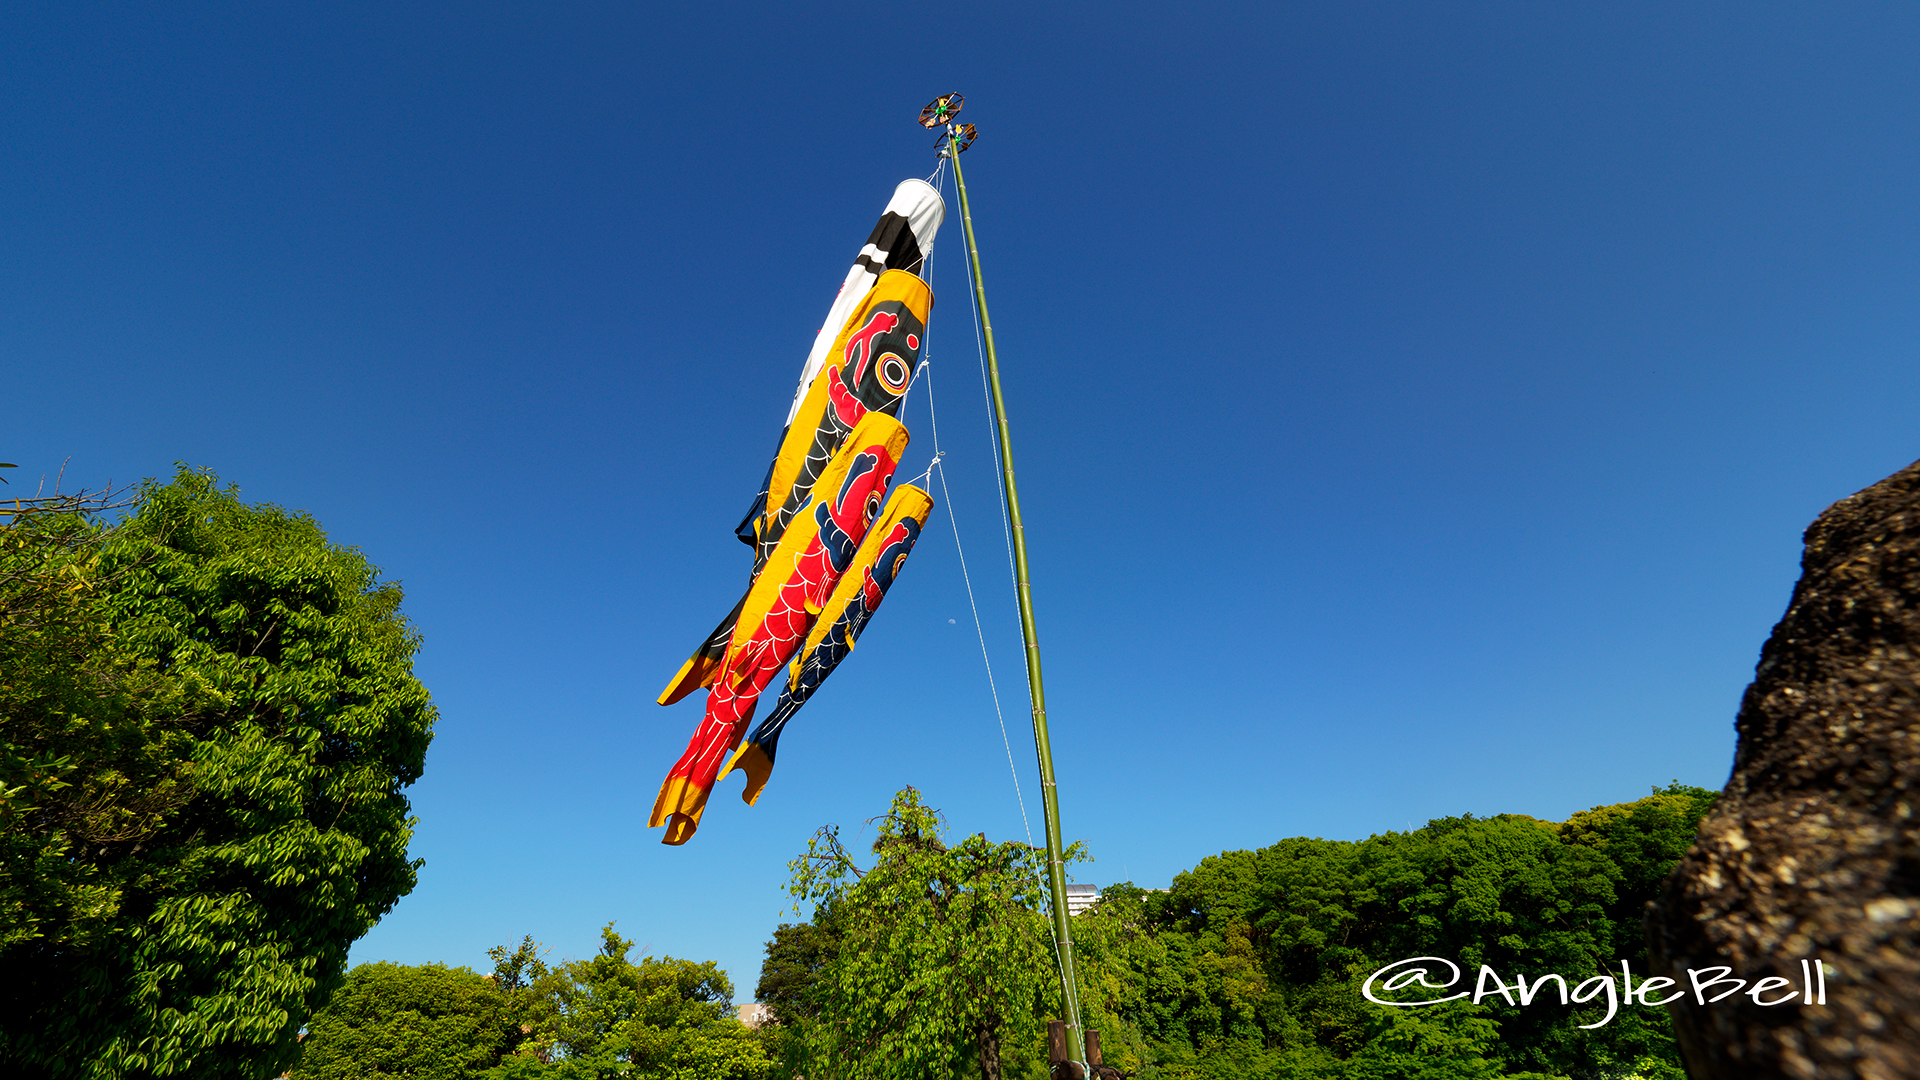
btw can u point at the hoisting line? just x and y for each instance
(978, 630)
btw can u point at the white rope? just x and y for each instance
(908, 392)
(921, 480)
(978, 630)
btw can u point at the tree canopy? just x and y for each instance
(937, 953)
(602, 1018)
(1251, 963)
(659, 1019)
(212, 717)
(430, 1022)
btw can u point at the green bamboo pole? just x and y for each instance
(1049, 796)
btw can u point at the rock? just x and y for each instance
(1812, 851)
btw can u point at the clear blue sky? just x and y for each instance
(1417, 406)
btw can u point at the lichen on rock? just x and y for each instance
(1812, 851)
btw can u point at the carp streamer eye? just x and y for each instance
(873, 506)
(894, 373)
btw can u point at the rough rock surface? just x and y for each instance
(1812, 850)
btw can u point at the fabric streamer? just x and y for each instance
(821, 564)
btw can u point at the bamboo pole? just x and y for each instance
(1049, 797)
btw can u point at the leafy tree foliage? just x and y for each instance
(91, 750)
(211, 716)
(791, 985)
(1250, 965)
(942, 961)
(797, 955)
(607, 1017)
(429, 1023)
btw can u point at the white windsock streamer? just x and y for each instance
(901, 241)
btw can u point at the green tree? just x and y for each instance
(91, 748)
(942, 956)
(797, 957)
(516, 970)
(1643, 840)
(428, 1023)
(792, 986)
(1251, 963)
(1123, 965)
(607, 1017)
(259, 679)
(1451, 1042)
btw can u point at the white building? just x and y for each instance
(1081, 897)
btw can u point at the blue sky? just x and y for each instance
(1416, 406)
